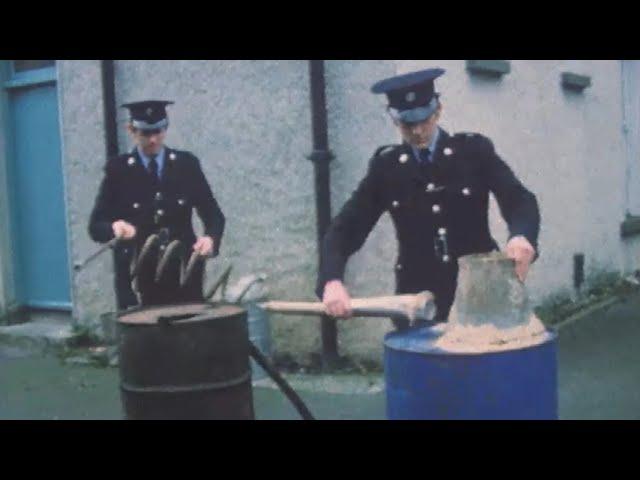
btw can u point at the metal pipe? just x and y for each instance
(109, 107)
(321, 157)
(578, 271)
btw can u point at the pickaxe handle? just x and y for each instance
(110, 244)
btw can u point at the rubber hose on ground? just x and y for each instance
(281, 382)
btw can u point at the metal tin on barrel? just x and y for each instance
(185, 362)
(424, 382)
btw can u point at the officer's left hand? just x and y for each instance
(523, 253)
(204, 246)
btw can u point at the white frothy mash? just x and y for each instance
(491, 312)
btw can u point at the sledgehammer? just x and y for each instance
(419, 306)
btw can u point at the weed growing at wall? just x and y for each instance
(601, 286)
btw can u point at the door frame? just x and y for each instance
(630, 73)
(9, 81)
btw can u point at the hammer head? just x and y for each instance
(417, 306)
(422, 307)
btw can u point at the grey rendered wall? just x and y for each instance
(83, 150)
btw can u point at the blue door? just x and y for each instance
(39, 237)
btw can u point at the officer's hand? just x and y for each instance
(523, 253)
(336, 299)
(204, 246)
(123, 230)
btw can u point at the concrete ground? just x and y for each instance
(45, 388)
(599, 378)
(599, 364)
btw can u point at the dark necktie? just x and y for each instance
(153, 168)
(425, 156)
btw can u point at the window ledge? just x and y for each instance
(489, 67)
(573, 81)
(630, 226)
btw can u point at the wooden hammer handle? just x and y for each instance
(300, 308)
(366, 307)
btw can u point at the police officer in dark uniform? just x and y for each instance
(153, 190)
(436, 188)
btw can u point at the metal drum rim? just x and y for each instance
(209, 306)
(550, 336)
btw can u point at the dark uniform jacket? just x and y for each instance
(439, 210)
(127, 193)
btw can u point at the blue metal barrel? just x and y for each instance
(424, 382)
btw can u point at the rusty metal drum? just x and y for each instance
(185, 362)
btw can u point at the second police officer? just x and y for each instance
(153, 190)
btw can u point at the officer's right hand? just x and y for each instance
(336, 299)
(123, 230)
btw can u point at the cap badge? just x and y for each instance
(149, 111)
(410, 97)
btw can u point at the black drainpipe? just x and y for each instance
(109, 107)
(321, 157)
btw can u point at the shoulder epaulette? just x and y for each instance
(384, 149)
